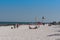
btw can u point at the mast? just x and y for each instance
(36, 19)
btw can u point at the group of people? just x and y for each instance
(15, 26)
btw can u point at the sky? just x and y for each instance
(27, 10)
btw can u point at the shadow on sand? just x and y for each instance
(54, 35)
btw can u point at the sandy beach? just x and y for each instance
(44, 32)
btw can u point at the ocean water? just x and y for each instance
(18, 22)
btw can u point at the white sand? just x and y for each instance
(24, 33)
